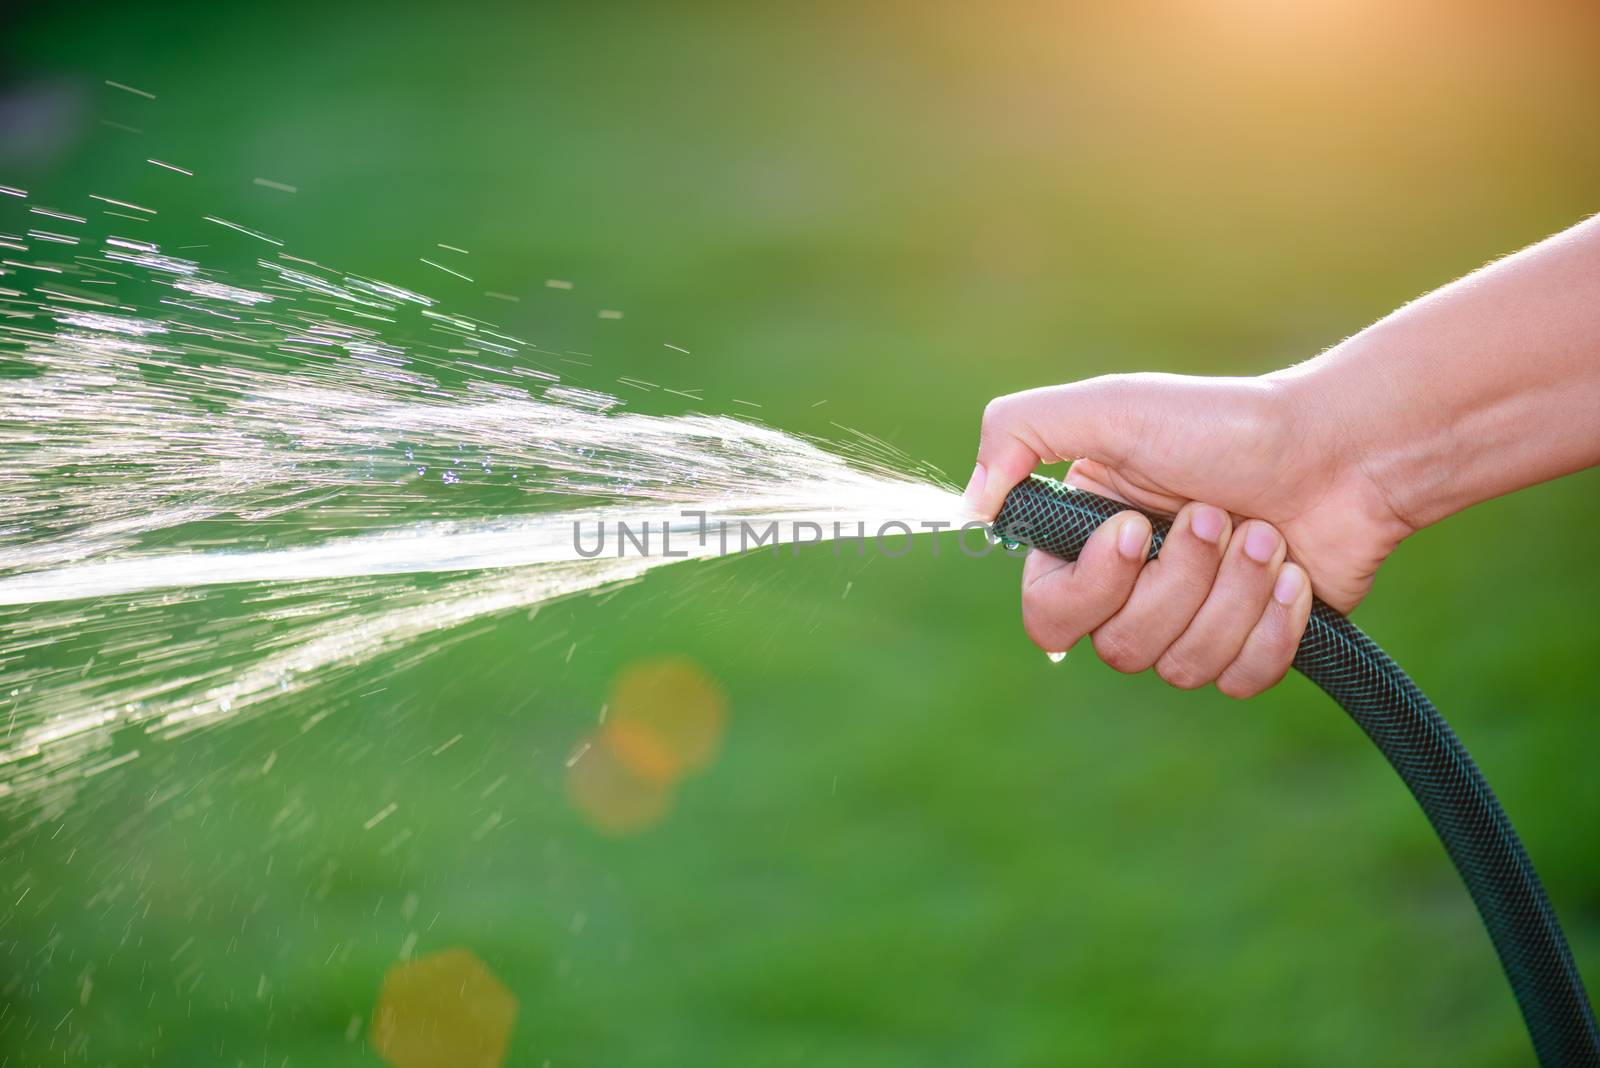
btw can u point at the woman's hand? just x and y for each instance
(1264, 492)
(1484, 386)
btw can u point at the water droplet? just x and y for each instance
(451, 478)
(1056, 658)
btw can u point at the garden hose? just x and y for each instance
(1404, 725)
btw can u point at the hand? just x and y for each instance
(1228, 599)
(1480, 388)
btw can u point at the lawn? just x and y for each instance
(920, 843)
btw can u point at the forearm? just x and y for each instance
(1485, 386)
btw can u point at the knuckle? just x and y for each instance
(1192, 571)
(1274, 641)
(997, 413)
(1121, 390)
(1118, 650)
(1239, 685)
(1278, 643)
(1178, 670)
(1045, 633)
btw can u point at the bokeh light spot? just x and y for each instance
(445, 1010)
(609, 795)
(667, 718)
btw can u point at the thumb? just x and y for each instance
(1022, 430)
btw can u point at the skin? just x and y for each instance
(1310, 476)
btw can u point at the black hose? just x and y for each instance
(1434, 765)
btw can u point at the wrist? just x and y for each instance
(1378, 459)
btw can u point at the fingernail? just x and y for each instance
(1131, 537)
(1260, 542)
(974, 490)
(1056, 658)
(1206, 522)
(1287, 589)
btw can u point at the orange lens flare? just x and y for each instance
(445, 1010)
(667, 720)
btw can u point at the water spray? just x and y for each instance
(1431, 761)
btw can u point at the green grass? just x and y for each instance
(923, 844)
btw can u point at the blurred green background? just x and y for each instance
(921, 843)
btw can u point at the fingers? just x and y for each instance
(1023, 430)
(1061, 602)
(1217, 634)
(1169, 591)
(1270, 649)
(1221, 604)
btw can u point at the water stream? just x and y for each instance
(217, 488)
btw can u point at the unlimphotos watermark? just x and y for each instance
(893, 538)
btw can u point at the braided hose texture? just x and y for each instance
(1432, 762)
